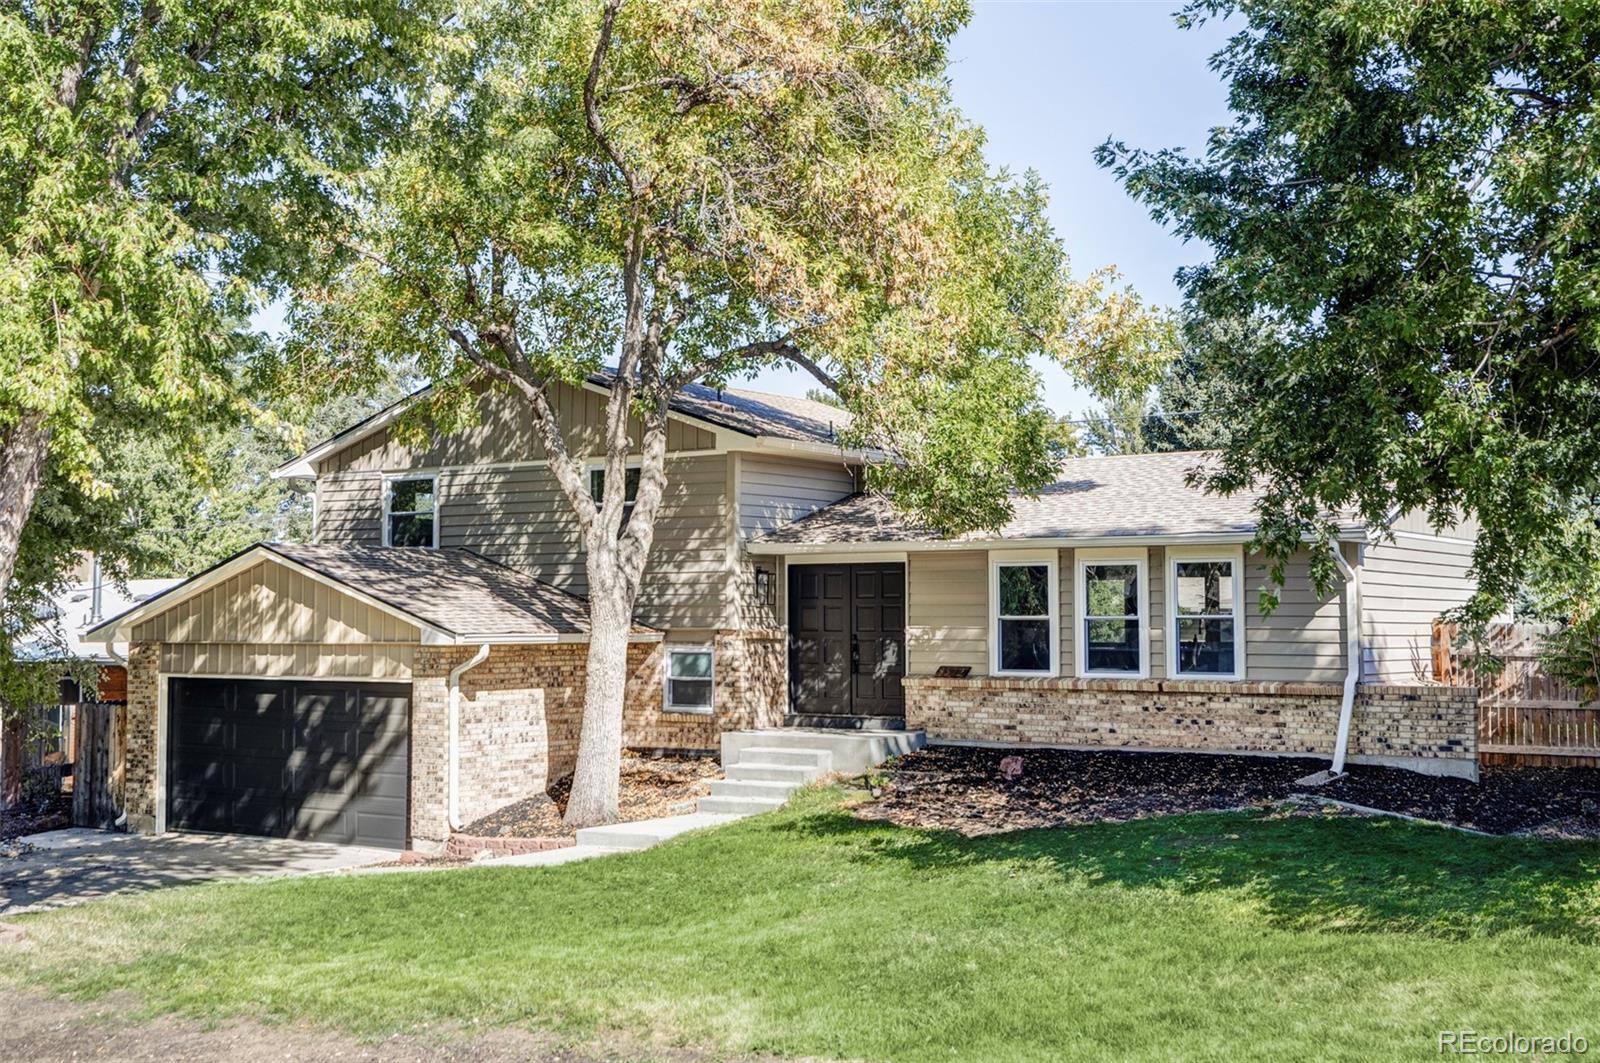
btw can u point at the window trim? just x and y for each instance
(666, 678)
(599, 465)
(1235, 556)
(391, 478)
(1081, 560)
(999, 559)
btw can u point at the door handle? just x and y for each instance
(855, 655)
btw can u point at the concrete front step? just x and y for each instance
(757, 771)
(851, 752)
(646, 833)
(807, 757)
(753, 788)
(740, 806)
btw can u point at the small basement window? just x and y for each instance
(409, 514)
(689, 678)
(630, 489)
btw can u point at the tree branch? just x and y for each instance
(591, 99)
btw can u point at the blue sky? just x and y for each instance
(1051, 80)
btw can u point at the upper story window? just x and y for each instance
(1023, 633)
(1205, 616)
(597, 488)
(1112, 602)
(409, 516)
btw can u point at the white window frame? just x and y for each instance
(599, 465)
(666, 677)
(1051, 560)
(1235, 557)
(1081, 560)
(391, 478)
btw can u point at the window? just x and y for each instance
(409, 518)
(630, 486)
(689, 679)
(1205, 616)
(1111, 601)
(1023, 596)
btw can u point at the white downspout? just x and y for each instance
(1352, 677)
(453, 739)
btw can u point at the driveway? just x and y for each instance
(73, 866)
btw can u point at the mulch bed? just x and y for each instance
(963, 789)
(651, 787)
(18, 822)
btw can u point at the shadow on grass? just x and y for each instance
(1336, 874)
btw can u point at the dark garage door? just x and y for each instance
(326, 762)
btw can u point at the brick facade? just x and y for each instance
(1430, 728)
(751, 690)
(139, 771)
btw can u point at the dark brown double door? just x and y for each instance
(847, 640)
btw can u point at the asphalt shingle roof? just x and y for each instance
(1098, 497)
(755, 413)
(454, 590)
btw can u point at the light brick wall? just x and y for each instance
(1401, 722)
(750, 690)
(139, 774)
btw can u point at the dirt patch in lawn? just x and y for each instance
(651, 787)
(44, 1029)
(965, 789)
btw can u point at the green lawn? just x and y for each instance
(808, 932)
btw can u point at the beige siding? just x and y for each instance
(947, 610)
(1303, 639)
(504, 433)
(948, 618)
(272, 604)
(306, 660)
(774, 491)
(1405, 584)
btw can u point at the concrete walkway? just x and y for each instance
(65, 867)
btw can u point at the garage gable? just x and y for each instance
(270, 603)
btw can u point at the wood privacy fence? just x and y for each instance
(1525, 715)
(97, 768)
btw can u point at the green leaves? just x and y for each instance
(1406, 209)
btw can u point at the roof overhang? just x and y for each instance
(768, 549)
(119, 627)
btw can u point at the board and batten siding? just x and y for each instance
(504, 432)
(1405, 584)
(947, 618)
(271, 603)
(271, 620)
(775, 491)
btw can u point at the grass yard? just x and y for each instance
(807, 932)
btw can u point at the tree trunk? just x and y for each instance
(21, 471)
(593, 800)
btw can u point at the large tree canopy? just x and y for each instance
(677, 192)
(1408, 203)
(159, 162)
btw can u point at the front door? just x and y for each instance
(847, 639)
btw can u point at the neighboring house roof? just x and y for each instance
(453, 595)
(756, 414)
(1111, 497)
(59, 636)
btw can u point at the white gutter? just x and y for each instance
(1352, 677)
(454, 740)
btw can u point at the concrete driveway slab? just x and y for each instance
(73, 866)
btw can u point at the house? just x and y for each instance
(420, 664)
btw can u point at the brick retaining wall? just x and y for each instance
(1429, 728)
